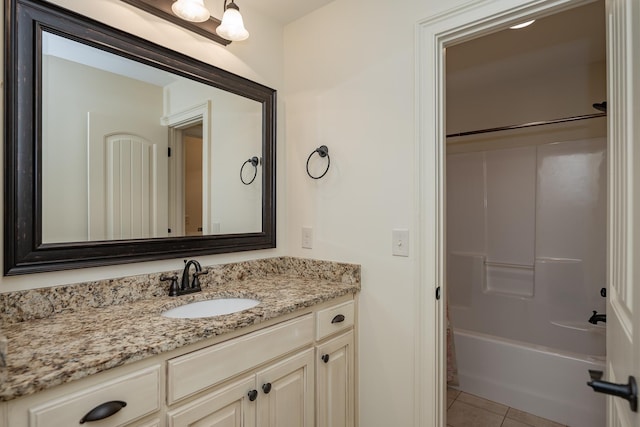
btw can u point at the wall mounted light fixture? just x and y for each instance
(191, 10)
(522, 25)
(194, 16)
(232, 27)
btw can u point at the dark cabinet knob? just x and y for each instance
(253, 395)
(103, 411)
(325, 358)
(338, 319)
(266, 388)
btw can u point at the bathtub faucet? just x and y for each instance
(595, 318)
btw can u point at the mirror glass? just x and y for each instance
(119, 150)
(130, 151)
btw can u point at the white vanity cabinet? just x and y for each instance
(3, 414)
(117, 401)
(263, 385)
(286, 392)
(202, 369)
(314, 386)
(335, 382)
(335, 366)
(279, 395)
(226, 406)
(294, 372)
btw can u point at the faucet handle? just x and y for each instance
(173, 287)
(195, 283)
(201, 272)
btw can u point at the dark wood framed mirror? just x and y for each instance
(92, 179)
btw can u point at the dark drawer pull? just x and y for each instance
(253, 395)
(103, 411)
(325, 358)
(266, 388)
(339, 318)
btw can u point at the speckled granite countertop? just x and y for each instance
(69, 344)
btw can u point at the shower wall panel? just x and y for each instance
(466, 203)
(511, 223)
(571, 218)
(526, 241)
(511, 198)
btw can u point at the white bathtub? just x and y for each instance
(535, 379)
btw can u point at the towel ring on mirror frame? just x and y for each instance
(254, 162)
(323, 151)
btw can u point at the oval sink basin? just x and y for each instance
(210, 308)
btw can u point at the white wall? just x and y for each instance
(236, 135)
(259, 59)
(349, 84)
(235, 206)
(482, 104)
(70, 91)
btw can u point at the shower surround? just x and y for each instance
(526, 260)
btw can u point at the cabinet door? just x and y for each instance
(287, 392)
(228, 406)
(127, 398)
(335, 380)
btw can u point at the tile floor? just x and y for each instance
(467, 410)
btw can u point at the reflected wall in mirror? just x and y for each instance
(106, 132)
(120, 150)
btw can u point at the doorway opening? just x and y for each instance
(189, 172)
(192, 152)
(623, 106)
(186, 167)
(525, 213)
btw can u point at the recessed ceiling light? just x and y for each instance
(524, 24)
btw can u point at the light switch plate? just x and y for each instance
(307, 237)
(400, 242)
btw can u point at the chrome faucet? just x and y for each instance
(595, 318)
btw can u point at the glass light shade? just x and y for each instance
(232, 26)
(524, 24)
(190, 10)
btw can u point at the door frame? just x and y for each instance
(468, 21)
(198, 114)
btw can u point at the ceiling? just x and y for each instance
(283, 11)
(572, 38)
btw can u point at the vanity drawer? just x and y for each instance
(204, 368)
(139, 390)
(334, 319)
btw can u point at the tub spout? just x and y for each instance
(595, 318)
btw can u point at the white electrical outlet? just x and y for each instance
(307, 237)
(400, 242)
